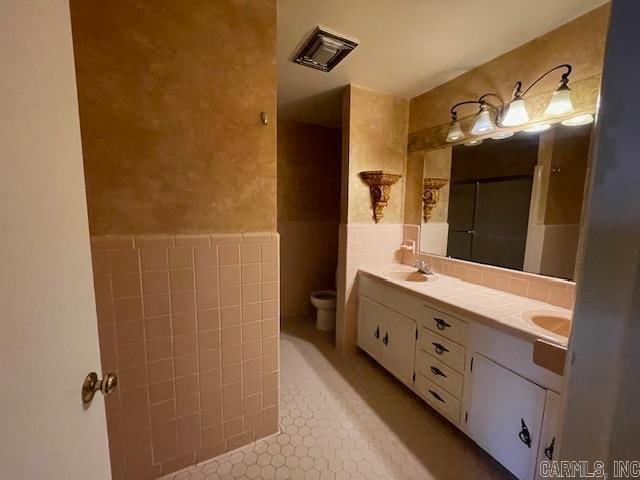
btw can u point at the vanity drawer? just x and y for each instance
(444, 324)
(448, 352)
(438, 398)
(439, 373)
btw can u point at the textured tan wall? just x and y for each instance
(580, 43)
(308, 212)
(308, 172)
(377, 140)
(170, 98)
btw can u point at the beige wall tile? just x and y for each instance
(174, 348)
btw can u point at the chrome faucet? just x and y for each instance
(422, 267)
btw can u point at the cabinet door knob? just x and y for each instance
(440, 349)
(441, 324)
(524, 435)
(385, 340)
(548, 452)
(377, 332)
(436, 371)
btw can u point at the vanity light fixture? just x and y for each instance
(515, 113)
(455, 130)
(560, 103)
(473, 143)
(585, 119)
(483, 122)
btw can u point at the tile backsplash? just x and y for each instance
(538, 287)
(190, 323)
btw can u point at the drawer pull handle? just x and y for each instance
(385, 340)
(524, 435)
(436, 371)
(548, 452)
(440, 349)
(441, 324)
(436, 396)
(377, 332)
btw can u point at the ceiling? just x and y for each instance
(406, 46)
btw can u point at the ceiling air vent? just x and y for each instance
(324, 50)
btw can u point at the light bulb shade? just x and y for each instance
(455, 132)
(483, 123)
(516, 114)
(578, 120)
(502, 135)
(539, 127)
(560, 103)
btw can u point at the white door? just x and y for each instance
(370, 318)
(505, 416)
(550, 436)
(48, 341)
(399, 345)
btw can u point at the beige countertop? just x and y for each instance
(495, 308)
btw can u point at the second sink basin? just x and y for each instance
(554, 322)
(404, 276)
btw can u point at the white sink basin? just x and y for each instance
(410, 276)
(554, 322)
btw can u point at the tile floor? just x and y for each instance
(348, 419)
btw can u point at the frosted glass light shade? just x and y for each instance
(473, 143)
(483, 123)
(539, 127)
(502, 135)
(560, 103)
(455, 132)
(516, 114)
(578, 120)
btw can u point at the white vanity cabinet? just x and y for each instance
(505, 416)
(387, 336)
(549, 437)
(479, 377)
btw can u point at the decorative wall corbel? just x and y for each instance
(380, 188)
(430, 195)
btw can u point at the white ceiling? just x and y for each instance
(406, 46)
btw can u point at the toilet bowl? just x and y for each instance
(325, 302)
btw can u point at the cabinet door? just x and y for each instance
(398, 345)
(505, 416)
(370, 318)
(550, 429)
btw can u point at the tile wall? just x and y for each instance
(363, 244)
(547, 289)
(190, 323)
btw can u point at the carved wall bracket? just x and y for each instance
(430, 195)
(380, 188)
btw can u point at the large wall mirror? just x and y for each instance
(513, 203)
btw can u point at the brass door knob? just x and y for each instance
(92, 385)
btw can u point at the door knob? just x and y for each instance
(92, 385)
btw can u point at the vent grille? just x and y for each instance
(323, 50)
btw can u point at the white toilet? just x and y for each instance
(325, 302)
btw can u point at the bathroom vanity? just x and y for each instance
(468, 352)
